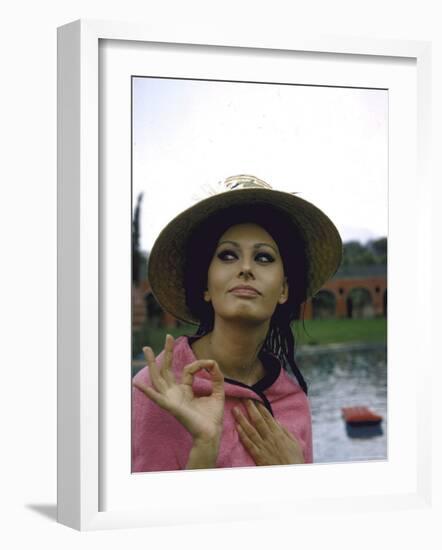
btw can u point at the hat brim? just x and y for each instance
(323, 244)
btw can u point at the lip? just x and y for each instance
(244, 290)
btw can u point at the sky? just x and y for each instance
(329, 145)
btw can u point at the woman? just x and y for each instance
(239, 264)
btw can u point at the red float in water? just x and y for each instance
(360, 416)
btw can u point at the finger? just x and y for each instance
(294, 441)
(157, 381)
(272, 423)
(166, 369)
(217, 378)
(289, 434)
(248, 428)
(248, 443)
(149, 392)
(192, 368)
(257, 419)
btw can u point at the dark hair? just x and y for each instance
(201, 248)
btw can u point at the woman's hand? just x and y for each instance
(201, 416)
(267, 441)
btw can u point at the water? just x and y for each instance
(345, 379)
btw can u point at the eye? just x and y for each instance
(264, 258)
(227, 255)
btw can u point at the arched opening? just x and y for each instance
(324, 305)
(359, 304)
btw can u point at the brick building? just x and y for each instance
(354, 292)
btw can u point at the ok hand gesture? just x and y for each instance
(201, 416)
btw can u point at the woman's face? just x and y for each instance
(246, 276)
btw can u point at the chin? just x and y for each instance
(245, 316)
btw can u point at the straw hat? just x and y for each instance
(323, 245)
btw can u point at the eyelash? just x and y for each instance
(222, 256)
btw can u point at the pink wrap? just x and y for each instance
(160, 443)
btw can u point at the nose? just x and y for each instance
(246, 270)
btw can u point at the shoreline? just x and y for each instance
(339, 347)
(311, 350)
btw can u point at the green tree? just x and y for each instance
(379, 248)
(374, 252)
(355, 253)
(136, 253)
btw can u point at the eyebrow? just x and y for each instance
(255, 246)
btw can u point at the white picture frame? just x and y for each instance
(82, 297)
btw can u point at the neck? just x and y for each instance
(235, 347)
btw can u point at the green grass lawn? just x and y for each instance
(331, 331)
(315, 332)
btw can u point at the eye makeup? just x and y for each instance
(260, 257)
(255, 246)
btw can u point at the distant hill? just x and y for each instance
(374, 253)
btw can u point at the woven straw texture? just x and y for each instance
(323, 245)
